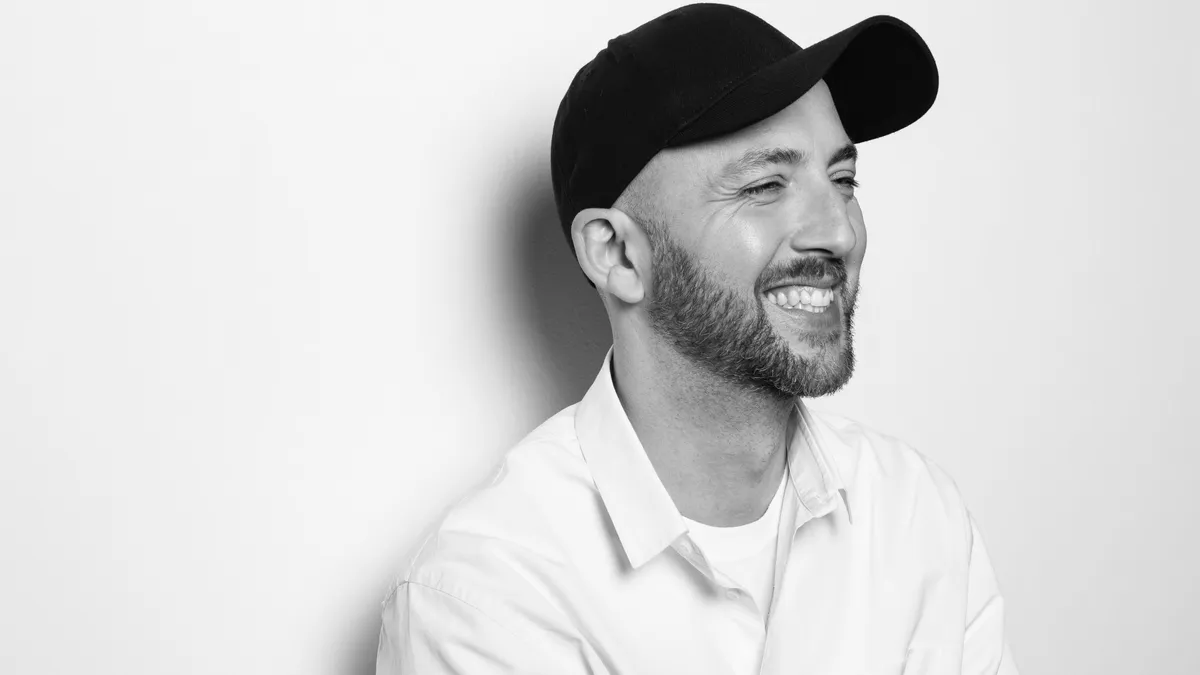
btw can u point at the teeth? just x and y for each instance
(807, 298)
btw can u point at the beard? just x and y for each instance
(730, 335)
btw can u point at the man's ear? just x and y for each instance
(613, 252)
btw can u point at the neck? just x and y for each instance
(718, 449)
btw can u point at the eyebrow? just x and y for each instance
(759, 158)
(848, 151)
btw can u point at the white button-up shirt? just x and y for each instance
(574, 559)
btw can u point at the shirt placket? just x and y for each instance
(802, 503)
(746, 611)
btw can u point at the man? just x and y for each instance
(691, 514)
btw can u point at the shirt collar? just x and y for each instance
(642, 512)
(813, 473)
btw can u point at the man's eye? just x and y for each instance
(763, 188)
(848, 182)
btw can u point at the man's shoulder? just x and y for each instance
(524, 511)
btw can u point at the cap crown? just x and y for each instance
(645, 87)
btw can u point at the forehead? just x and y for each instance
(810, 125)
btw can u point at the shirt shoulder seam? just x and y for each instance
(452, 596)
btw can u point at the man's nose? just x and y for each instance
(824, 223)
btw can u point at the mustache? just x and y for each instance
(806, 268)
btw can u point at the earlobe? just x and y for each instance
(602, 239)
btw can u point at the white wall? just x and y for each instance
(280, 280)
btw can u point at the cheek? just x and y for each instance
(855, 214)
(742, 254)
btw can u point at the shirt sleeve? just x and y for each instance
(985, 646)
(429, 631)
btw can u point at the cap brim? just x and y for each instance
(880, 73)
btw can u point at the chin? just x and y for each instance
(820, 369)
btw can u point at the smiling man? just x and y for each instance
(691, 514)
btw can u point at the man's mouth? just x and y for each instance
(803, 298)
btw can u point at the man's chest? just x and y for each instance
(848, 601)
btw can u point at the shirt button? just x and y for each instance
(687, 548)
(733, 594)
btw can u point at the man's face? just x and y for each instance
(756, 265)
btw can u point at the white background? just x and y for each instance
(279, 281)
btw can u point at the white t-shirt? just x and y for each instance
(745, 553)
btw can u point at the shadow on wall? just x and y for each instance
(562, 317)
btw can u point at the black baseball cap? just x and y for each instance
(706, 70)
